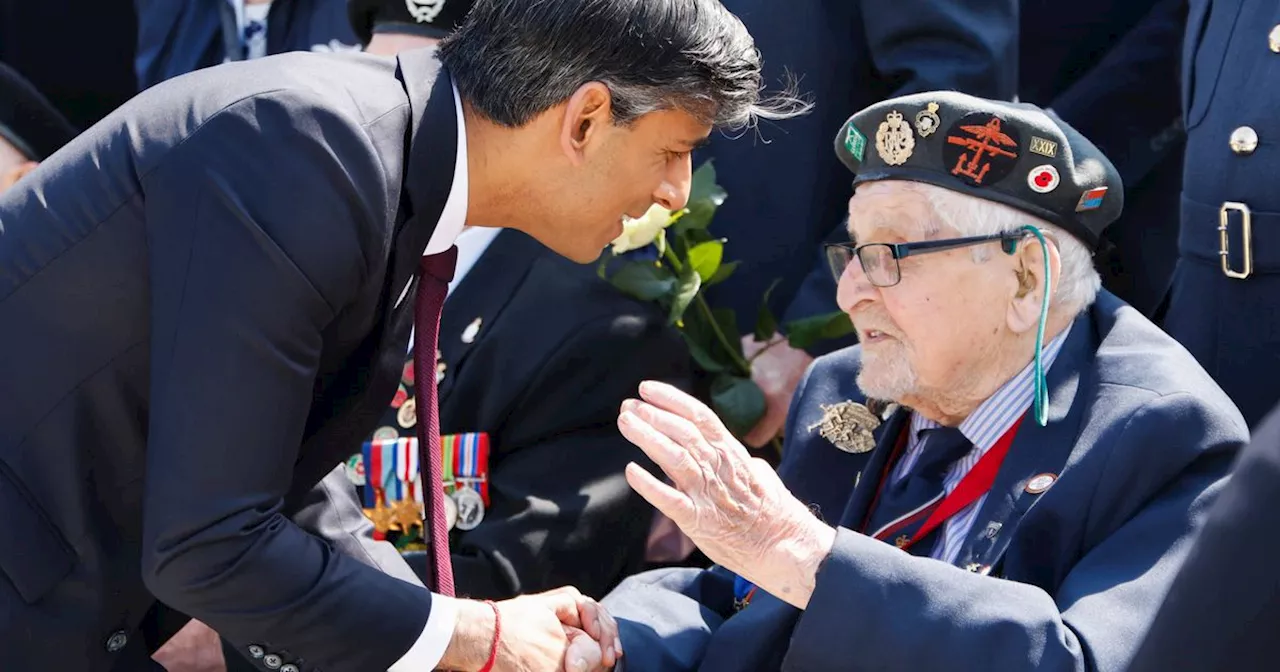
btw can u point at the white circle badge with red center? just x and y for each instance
(1043, 179)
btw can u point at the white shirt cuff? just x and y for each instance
(430, 647)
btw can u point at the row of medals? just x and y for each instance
(463, 508)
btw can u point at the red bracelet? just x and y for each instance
(497, 635)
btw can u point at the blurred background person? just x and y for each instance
(31, 128)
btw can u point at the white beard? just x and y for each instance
(886, 373)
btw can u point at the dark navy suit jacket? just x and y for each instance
(787, 191)
(1223, 610)
(1232, 326)
(199, 296)
(1141, 440)
(175, 38)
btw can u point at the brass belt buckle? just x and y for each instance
(1246, 226)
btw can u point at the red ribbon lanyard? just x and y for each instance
(974, 485)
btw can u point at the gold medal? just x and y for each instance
(407, 416)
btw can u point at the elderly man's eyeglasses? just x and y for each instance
(880, 260)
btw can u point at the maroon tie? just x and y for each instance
(433, 287)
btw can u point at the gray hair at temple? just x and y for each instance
(1078, 282)
(514, 59)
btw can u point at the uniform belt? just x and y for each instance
(1240, 240)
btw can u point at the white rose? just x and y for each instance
(637, 233)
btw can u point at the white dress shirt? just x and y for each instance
(430, 647)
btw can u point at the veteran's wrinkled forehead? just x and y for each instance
(1011, 153)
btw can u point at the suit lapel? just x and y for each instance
(475, 304)
(855, 513)
(1036, 450)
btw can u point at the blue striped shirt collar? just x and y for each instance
(997, 414)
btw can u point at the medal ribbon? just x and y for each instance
(407, 466)
(448, 448)
(973, 486)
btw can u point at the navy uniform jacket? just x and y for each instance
(199, 296)
(787, 192)
(1141, 440)
(556, 352)
(175, 38)
(1223, 610)
(1110, 69)
(1231, 65)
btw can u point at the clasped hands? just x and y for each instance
(560, 629)
(733, 506)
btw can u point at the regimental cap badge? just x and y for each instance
(894, 140)
(927, 120)
(424, 11)
(849, 426)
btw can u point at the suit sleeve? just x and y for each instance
(1221, 612)
(876, 604)
(1128, 104)
(258, 224)
(562, 512)
(923, 45)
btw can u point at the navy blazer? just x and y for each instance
(1223, 610)
(1141, 441)
(786, 189)
(200, 300)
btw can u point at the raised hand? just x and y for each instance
(733, 506)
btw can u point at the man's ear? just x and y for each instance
(1028, 266)
(588, 112)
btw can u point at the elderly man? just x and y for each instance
(933, 435)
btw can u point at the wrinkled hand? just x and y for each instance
(777, 372)
(194, 648)
(733, 506)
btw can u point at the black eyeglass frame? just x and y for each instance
(1008, 243)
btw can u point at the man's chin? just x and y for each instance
(890, 383)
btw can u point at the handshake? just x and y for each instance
(559, 630)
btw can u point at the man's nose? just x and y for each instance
(673, 193)
(854, 288)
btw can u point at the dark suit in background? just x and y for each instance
(555, 353)
(788, 192)
(1230, 68)
(1110, 69)
(1140, 440)
(206, 283)
(175, 38)
(1223, 610)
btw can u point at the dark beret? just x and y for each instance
(28, 121)
(1012, 153)
(427, 18)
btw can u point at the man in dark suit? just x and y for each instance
(1223, 610)
(555, 510)
(944, 502)
(1225, 302)
(1110, 69)
(786, 195)
(216, 287)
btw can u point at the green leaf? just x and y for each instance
(644, 280)
(603, 265)
(705, 188)
(705, 259)
(803, 334)
(701, 356)
(686, 288)
(661, 243)
(728, 323)
(721, 273)
(738, 401)
(766, 323)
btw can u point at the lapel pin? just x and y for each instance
(1040, 483)
(469, 334)
(848, 426)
